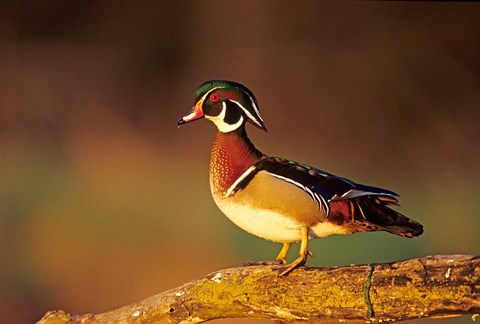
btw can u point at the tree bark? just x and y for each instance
(434, 286)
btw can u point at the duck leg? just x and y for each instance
(282, 255)
(304, 253)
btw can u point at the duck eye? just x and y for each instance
(214, 97)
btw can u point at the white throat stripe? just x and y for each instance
(221, 124)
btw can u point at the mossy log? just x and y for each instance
(434, 286)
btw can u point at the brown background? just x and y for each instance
(103, 201)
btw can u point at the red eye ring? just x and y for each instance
(214, 97)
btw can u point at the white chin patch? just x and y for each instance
(220, 122)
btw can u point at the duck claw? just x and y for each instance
(258, 263)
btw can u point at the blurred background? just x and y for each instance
(104, 202)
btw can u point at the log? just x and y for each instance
(433, 286)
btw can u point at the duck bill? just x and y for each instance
(195, 113)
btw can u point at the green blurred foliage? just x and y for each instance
(104, 202)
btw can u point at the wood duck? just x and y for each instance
(281, 200)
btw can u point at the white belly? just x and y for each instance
(272, 225)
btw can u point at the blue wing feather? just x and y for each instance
(335, 188)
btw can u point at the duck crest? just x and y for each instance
(232, 155)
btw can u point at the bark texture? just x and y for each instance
(434, 286)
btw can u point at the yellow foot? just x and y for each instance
(283, 271)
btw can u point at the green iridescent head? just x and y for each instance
(226, 103)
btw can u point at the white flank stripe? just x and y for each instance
(324, 205)
(240, 179)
